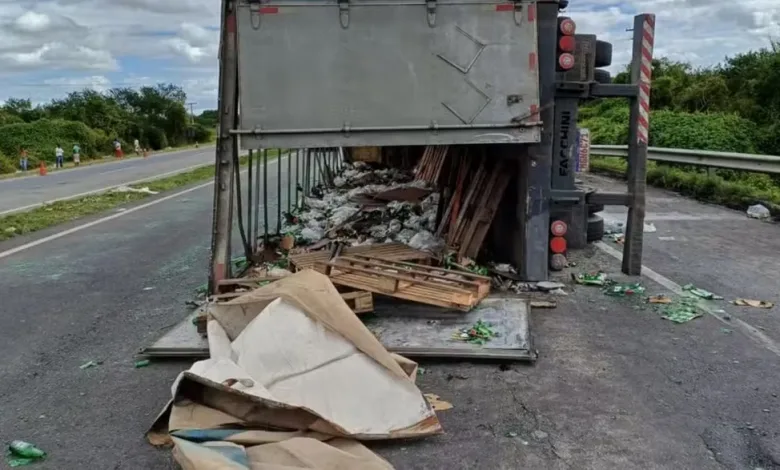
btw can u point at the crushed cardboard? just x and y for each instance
(291, 356)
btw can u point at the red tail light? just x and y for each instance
(567, 26)
(566, 61)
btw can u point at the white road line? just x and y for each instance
(752, 332)
(107, 188)
(57, 235)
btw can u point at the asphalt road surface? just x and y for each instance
(614, 387)
(27, 192)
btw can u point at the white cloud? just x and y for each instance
(177, 39)
(94, 82)
(32, 22)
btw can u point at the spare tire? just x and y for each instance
(602, 76)
(603, 54)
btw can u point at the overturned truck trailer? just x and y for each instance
(308, 79)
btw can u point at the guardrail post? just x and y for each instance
(226, 146)
(638, 136)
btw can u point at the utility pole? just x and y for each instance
(191, 104)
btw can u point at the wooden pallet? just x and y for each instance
(391, 251)
(431, 163)
(359, 301)
(410, 281)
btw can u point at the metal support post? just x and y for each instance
(226, 143)
(533, 208)
(638, 136)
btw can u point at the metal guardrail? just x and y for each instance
(705, 158)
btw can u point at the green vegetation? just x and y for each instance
(156, 116)
(731, 107)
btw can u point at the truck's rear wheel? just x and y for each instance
(593, 208)
(602, 76)
(595, 228)
(603, 54)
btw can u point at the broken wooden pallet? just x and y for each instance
(409, 281)
(392, 251)
(359, 301)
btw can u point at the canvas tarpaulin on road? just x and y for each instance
(293, 377)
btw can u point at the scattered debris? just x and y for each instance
(624, 290)
(21, 453)
(549, 285)
(682, 310)
(539, 435)
(590, 279)
(544, 304)
(511, 434)
(142, 363)
(758, 211)
(90, 364)
(618, 238)
(480, 333)
(437, 403)
(650, 228)
(753, 303)
(726, 331)
(659, 299)
(130, 189)
(666, 239)
(701, 293)
(558, 292)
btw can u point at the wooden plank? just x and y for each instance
(413, 293)
(359, 301)
(412, 269)
(486, 219)
(394, 251)
(366, 268)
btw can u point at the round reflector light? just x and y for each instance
(558, 228)
(558, 245)
(566, 43)
(568, 27)
(566, 61)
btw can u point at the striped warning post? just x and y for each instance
(645, 76)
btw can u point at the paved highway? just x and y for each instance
(30, 191)
(615, 386)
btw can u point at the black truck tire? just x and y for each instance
(593, 208)
(595, 228)
(603, 54)
(602, 76)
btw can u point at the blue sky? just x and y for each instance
(51, 47)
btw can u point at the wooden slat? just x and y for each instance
(420, 294)
(341, 265)
(394, 251)
(410, 269)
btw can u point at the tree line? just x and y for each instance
(155, 115)
(733, 106)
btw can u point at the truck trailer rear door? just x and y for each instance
(327, 73)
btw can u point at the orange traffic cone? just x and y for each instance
(42, 169)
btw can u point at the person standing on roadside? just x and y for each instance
(23, 159)
(137, 147)
(117, 148)
(60, 155)
(76, 154)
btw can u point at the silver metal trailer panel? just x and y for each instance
(327, 73)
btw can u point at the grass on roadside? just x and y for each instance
(736, 193)
(22, 223)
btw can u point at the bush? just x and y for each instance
(155, 138)
(201, 133)
(7, 165)
(41, 137)
(607, 121)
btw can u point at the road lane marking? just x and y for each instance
(749, 330)
(103, 190)
(117, 215)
